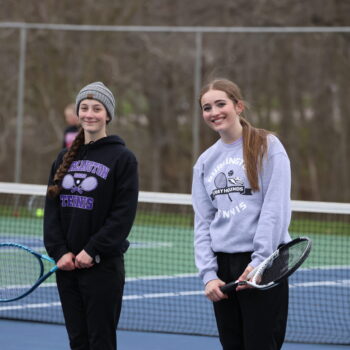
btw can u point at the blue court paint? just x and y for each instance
(16, 335)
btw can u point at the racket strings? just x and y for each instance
(286, 261)
(275, 270)
(19, 270)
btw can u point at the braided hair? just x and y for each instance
(55, 189)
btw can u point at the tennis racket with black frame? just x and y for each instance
(278, 266)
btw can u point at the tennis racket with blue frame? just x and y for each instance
(21, 271)
(278, 266)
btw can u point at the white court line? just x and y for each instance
(27, 286)
(129, 279)
(161, 277)
(163, 295)
(186, 275)
(327, 267)
(29, 306)
(338, 283)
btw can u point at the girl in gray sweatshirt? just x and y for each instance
(241, 198)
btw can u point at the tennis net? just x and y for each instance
(163, 292)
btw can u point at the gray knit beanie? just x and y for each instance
(97, 91)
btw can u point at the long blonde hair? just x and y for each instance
(254, 139)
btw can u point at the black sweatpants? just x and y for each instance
(91, 301)
(250, 319)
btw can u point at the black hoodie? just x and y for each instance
(97, 205)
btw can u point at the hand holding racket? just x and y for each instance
(22, 271)
(279, 265)
(66, 262)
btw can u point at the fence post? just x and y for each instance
(197, 86)
(20, 104)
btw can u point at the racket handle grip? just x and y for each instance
(229, 287)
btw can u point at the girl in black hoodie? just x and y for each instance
(90, 207)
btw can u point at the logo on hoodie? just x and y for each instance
(80, 183)
(77, 185)
(229, 185)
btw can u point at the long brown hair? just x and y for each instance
(254, 139)
(55, 189)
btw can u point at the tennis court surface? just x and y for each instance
(40, 336)
(163, 295)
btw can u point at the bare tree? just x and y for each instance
(296, 84)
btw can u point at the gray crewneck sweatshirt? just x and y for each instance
(229, 216)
